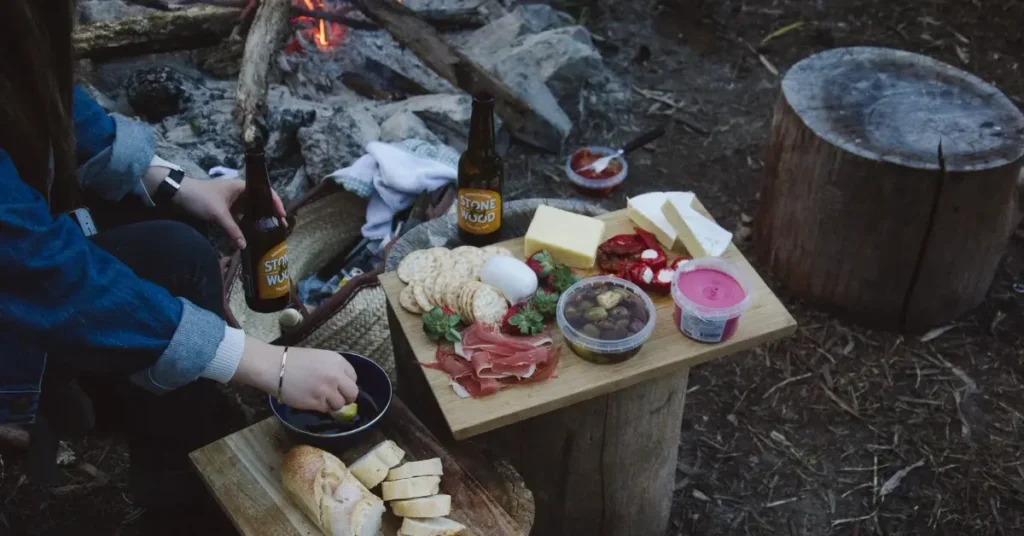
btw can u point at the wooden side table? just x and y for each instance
(597, 445)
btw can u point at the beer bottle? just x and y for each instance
(481, 177)
(265, 257)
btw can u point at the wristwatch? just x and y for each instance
(168, 188)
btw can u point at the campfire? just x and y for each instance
(327, 76)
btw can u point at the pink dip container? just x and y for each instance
(710, 296)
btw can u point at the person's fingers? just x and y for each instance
(348, 389)
(279, 207)
(335, 401)
(230, 226)
(346, 367)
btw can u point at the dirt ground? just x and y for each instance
(835, 430)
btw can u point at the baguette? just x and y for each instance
(410, 488)
(329, 494)
(429, 467)
(435, 506)
(373, 467)
(434, 526)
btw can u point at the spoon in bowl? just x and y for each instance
(600, 164)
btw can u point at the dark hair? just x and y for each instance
(36, 76)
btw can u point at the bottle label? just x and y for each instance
(272, 279)
(479, 211)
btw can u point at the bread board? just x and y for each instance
(667, 351)
(243, 472)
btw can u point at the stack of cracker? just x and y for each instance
(439, 277)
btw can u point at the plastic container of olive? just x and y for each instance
(604, 319)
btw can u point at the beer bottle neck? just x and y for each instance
(481, 127)
(257, 181)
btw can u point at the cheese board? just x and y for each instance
(665, 352)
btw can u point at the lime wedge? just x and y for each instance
(347, 413)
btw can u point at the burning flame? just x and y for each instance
(321, 36)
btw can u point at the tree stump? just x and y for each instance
(890, 188)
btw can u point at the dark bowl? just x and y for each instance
(373, 382)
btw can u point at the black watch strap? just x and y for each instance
(168, 187)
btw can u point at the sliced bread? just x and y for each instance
(435, 506)
(433, 526)
(410, 488)
(373, 467)
(414, 469)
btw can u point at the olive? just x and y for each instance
(586, 304)
(614, 334)
(591, 330)
(571, 310)
(606, 324)
(622, 323)
(619, 313)
(636, 325)
(609, 298)
(596, 313)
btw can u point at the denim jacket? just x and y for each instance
(61, 294)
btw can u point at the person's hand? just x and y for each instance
(315, 380)
(211, 200)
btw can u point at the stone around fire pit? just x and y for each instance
(405, 125)
(89, 11)
(335, 140)
(502, 33)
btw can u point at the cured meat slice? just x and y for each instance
(478, 336)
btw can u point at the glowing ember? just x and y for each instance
(326, 35)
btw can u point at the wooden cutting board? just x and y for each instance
(243, 471)
(666, 352)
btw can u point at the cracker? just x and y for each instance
(416, 265)
(441, 287)
(451, 294)
(408, 301)
(428, 283)
(488, 305)
(421, 297)
(462, 267)
(498, 250)
(466, 302)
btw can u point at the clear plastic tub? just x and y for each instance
(711, 295)
(596, 187)
(603, 346)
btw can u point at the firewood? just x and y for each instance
(266, 37)
(422, 39)
(195, 27)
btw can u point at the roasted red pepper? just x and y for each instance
(662, 281)
(651, 280)
(676, 262)
(613, 264)
(653, 257)
(650, 241)
(623, 244)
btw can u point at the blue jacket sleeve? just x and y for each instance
(63, 294)
(112, 151)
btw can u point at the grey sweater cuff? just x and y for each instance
(117, 171)
(190, 352)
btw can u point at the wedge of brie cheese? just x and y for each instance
(645, 211)
(701, 236)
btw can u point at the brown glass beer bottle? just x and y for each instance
(265, 257)
(481, 178)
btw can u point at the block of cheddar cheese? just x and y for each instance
(701, 236)
(572, 239)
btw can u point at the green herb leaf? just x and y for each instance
(528, 321)
(545, 302)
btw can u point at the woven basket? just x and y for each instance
(324, 224)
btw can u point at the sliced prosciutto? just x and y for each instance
(487, 361)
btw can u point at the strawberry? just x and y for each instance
(542, 263)
(522, 319)
(442, 324)
(545, 302)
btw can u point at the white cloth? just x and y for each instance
(398, 176)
